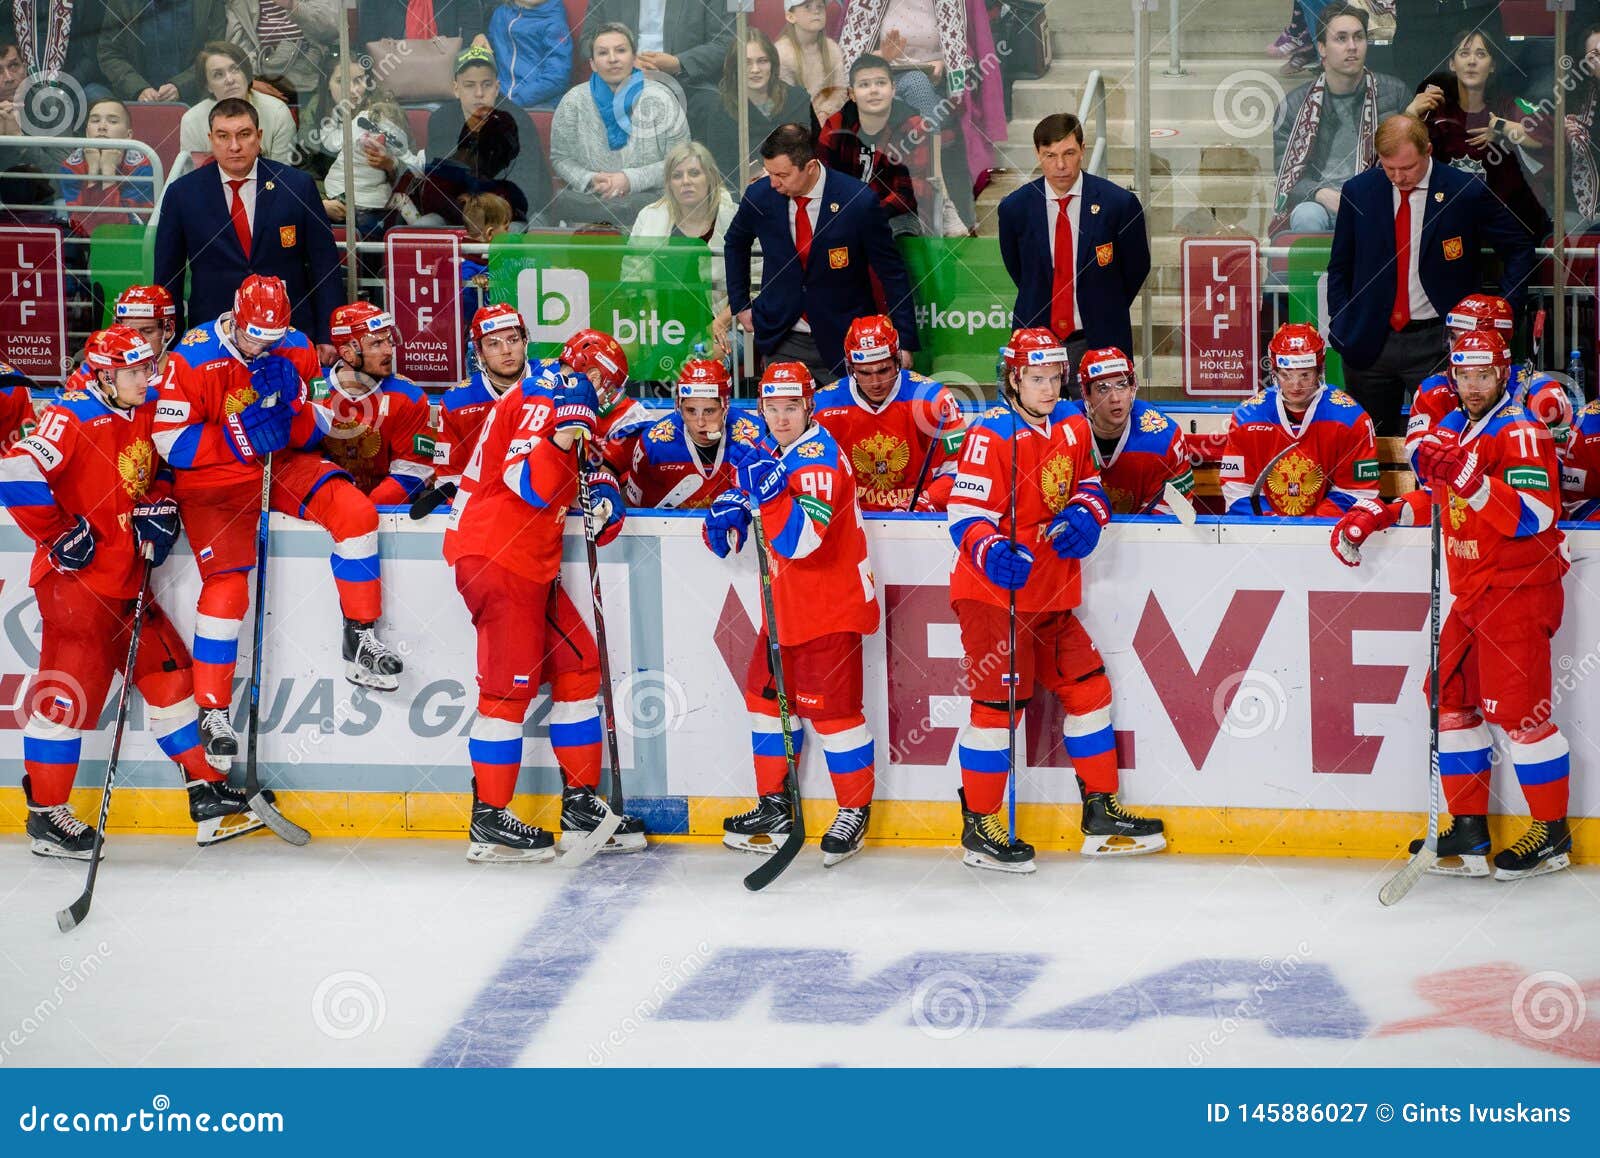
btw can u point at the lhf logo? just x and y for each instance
(554, 301)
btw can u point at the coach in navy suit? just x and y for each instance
(1079, 281)
(246, 215)
(823, 234)
(1406, 247)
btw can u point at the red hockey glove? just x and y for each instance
(1442, 459)
(1359, 524)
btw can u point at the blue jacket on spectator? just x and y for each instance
(533, 49)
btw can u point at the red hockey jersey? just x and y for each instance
(1054, 461)
(207, 380)
(887, 445)
(462, 412)
(516, 488)
(383, 438)
(1150, 454)
(668, 471)
(85, 458)
(16, 406)
(1333, 465)
(822, 580)
(1580, 467)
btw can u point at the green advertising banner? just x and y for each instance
(654, 297)
(964, 298)
(1308, 294)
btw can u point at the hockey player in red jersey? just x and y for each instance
(1026, 506)
(87, 487)
(1334, 463)
(622, 419)
(682, 459)
(1494, 474)
(504, 541)
(1580, 467)
(16, 406)
(824, 599)
(900, 431)
(381, 430)
(236, 397)
(1138, 448)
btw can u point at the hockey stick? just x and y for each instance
(1261, 480)
(592, 842)
(73, 915)
(768, 871)
(922, 475)
(1182, 509)
(264, 809)
(1428, 855)
(1011, 643)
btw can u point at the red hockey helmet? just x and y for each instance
(146, 301)
(1034, 347)
(492, 319)
(592, 350)
(788, 380)
(1481, 312)
(704, 378)
(1107, 362)
(118, 348)
(261, 308)
(1480, 348)
(1297, 346)
(871, 339)
(348, 323)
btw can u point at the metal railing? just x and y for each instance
(1174, 53)
(1094, 100)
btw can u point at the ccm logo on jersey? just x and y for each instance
(974, 485)
(46, 453)
(172, 411)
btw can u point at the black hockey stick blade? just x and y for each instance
(73, 915)
(432, 499)
(770, 869)
(592, 842)
(277, 821)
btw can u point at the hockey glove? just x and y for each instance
(1442, 459)
(728, 524)
(432, 499)
(155, 527)
(275, 377)
(73, 550)
(258, 429)
(760, 474)
(1006, 566)
(1360, 523)
(1550, 404)
(602, 522)
(1076, 530)
(577, 405)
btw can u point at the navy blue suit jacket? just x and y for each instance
(1105, 281)
(1461, 215)
(291, 238)
(851, 241)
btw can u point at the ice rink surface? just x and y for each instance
(399, 953)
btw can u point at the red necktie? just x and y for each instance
(241, 219)
(420, 24)
(1061, 292)
(1400, 316)
(802, 230)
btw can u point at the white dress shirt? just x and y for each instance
(1052, 212)
(1421, 308)
(652, 25)
(813, 208)
(247, 191)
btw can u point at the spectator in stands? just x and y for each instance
(12, 73)
(611, 134)
(321, 133)
(482, 143)
(1407, 247)
(486, 216)
(810, 58)
(686, 39)
(384, 157)
(425, 19)
(82, 49)
(247, 214)
(1583, 135)
(88, 200)
(289, 42)
(149, 47)
(1427, 32)
(695, 206)
(714, 113)
(824, 238)
(883, 142)
(533, 46)
(1323, 132)
(26, 196)
(1477, 128)
(226, 72)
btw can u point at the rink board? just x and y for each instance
(1268, 699)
